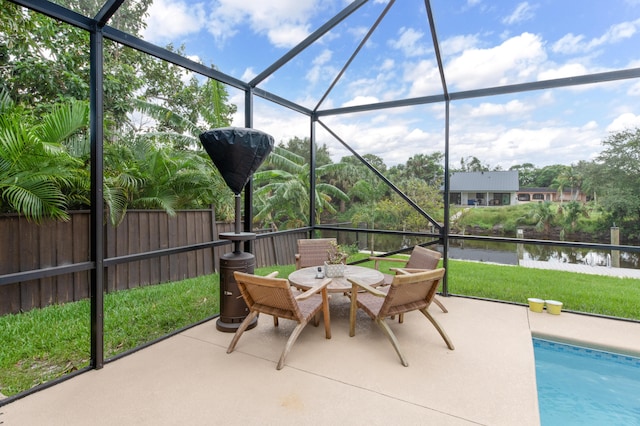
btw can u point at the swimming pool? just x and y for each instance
(581, 386)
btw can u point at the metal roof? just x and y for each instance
(506, 181)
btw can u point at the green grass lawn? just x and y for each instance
(42, 344)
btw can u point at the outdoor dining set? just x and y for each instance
(305, 293)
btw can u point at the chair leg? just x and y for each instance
(290, 342)
(353, 311)
(275, 321)
(392, 338)
(438, 327)
(440, 305)
(241, 330)
(325, 314)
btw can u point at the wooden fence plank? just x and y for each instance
(81, 246)
(64, 256)
(47, 260)
(122, 248)
(144, 236)
(163, 240)
(154, 244)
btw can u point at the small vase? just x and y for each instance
(332, 270)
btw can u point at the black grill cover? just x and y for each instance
(237, 152)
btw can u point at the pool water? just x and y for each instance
(581, 386)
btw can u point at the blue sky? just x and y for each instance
(483, 43)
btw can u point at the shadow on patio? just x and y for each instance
(189, 379)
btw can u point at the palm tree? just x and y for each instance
(282, 190)
(370, 210)
(542, 214)
(35, 168)
(572, 211)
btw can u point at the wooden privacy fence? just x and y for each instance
(26, 246)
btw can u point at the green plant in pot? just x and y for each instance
(334, 265)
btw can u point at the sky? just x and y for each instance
(483, 44)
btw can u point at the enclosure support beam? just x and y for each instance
(97, 199)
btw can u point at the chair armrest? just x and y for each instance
(315, 289)
(386, 259)
(366, 287)
(415, 270)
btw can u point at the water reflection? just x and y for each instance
(497, 252)
(506, 253)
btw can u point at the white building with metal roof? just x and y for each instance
(484, 188)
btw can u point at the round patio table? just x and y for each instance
(305, 278)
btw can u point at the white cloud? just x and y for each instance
(488, 109)
(572, 44)
(515, 60)
(424, 78)
(361, 100)
(248, 74)
(285, 22)
(569, 44)
(567, 70)
(184, 18)
(624, 121)
(523, 12)
(457, 44)
(410, 42)
(288, 35)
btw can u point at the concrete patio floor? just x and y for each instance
(489, 378)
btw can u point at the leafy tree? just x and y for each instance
(371, 207)
(473, 164)
(282, 190)
(545, 176)
(301, 147)
(526, 173)
(619, 177)
(429, 168)
(543, 216)
(570, 214)
(35, 168)
(428, 197)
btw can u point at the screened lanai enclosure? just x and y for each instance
(373, 105)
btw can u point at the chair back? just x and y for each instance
(313, 252)
(410, 292)
(423, 258)
(268, 295)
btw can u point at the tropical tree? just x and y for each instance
(619, 178)
(302, 147)
(426, 167)
(543, 216)
(545, 176)
(571, 212)
(526, 173)
(369, 208)
(282, 190)
(35, 168)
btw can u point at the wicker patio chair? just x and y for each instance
(273, 296)
(421, 258)
(410, 290)
(313, 252)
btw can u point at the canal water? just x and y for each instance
(510, 253)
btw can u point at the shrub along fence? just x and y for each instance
(26, 246)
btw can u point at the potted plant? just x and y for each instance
(334, 265)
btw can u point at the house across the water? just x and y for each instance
(484, 188)
(501, 188)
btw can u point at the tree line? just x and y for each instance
(154, 113)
